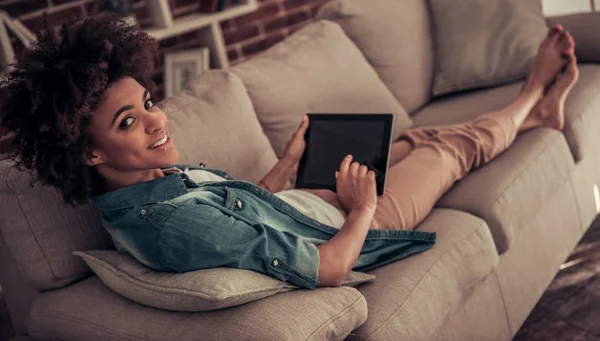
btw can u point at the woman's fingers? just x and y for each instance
(354, 168)
(362, 170)
(345, 164)
(303, 127)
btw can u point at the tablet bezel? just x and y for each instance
(386, 118)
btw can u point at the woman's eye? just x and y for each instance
(148, 104)
(126, 123)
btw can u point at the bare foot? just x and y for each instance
(551, 59)
(550, 111)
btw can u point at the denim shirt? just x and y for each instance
(174, 224)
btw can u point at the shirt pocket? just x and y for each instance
(157, 214)
(245, 205)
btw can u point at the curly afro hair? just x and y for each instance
(54, 89)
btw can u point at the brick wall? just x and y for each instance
(244, 36)
(273, 21)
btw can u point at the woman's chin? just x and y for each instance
(171, 157)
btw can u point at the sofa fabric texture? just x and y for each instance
(317, 69)
(213, 122)
(411, 299)
(201, 290)
(527, 268)
(13, 281)
(582, 108)
(496, 44)
(40, 231)
(90, 311)
(395, 37)
(531, 170)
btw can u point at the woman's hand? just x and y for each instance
(296, 145)
(356, 187)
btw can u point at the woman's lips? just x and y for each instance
(165, 146)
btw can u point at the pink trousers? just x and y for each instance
(438, 158)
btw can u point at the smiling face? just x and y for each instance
(129, 135)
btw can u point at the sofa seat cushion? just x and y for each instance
(410, 299)
(582, 109)
(90, 311)
(318, 69)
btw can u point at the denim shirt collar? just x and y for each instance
(166, 188)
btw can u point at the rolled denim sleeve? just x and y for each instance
(201, 237)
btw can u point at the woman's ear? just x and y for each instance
(93, 158)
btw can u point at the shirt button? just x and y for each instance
(275, 262)
(238, 204)
(143, 212)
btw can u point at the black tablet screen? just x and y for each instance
(329, 140)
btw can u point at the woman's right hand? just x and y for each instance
(356, 187)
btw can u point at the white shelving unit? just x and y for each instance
(208, 24)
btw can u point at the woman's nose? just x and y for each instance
(155, 123)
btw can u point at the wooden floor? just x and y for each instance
(568, 311)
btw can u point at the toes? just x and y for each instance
(565, 41)
(572, 65)
(554, 31)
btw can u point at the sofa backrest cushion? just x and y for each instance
(40, 231)
(496, 45)
(212, 121)
(316, 69)
(396, 38)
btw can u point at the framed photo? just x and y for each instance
(183, 66)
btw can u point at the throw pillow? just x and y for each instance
(395, 37)
(316, 69)
(201, 290)
(483, 43)
(212, 121)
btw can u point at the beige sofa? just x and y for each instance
(502, 232)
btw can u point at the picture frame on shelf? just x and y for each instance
(182, 66)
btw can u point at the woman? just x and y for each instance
(79, 104)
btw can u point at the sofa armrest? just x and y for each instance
(585, 28)
(88, 310)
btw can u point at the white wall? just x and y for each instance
(555, 7)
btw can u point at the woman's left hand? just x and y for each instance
(296, 145)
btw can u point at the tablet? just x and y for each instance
(330, 137)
